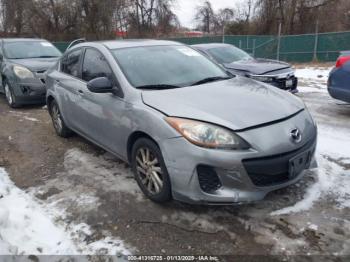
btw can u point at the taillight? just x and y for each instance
(342, 60)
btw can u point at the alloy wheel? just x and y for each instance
(8, 94)
(56, 117)
(149, 170)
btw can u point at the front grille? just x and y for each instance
(274, 170)
(281, 83)
(262, 180)
(208, 179)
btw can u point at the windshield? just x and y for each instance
(228, 54)
(166, 66)
(30, 49)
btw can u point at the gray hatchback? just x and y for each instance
(23, 64)
(189, 130)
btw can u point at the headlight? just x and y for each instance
(22, 72)
(207, 135)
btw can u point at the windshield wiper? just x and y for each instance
(46, 56)
(158, 87)
(33, 57)
(210, 79)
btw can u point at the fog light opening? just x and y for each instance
(208, 179)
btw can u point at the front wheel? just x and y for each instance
(10, 97)
(57, 120)
(150, 171)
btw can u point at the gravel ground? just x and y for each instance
(81, 184)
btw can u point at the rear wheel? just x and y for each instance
(10, 97)
(150, 171)
(57, 120)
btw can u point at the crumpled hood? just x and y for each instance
(36, 64)
(257, 66)
(237, 104)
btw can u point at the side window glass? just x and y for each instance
(70, 63)
(95, 65)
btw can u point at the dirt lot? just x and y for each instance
(84, 186)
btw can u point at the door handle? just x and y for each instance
(80, 91)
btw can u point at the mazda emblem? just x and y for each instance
(295, 134)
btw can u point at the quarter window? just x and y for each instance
(70, 63)
(95, 65)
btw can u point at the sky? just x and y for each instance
(185, 9)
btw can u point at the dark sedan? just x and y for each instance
(237, 61)
(339, 78)
(23, 63)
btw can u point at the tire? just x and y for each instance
(10, 96)
(58, 123)
(150, 171)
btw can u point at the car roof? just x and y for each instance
(118, 44)
(22, 39)
(210, 46)
(344, 53)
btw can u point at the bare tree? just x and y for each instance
(96, 19)
(205, 17)
(296, 16)
(93, 19)
(222, 18)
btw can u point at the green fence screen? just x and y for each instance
(62, 46)
(323, 47)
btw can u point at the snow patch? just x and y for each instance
(312, 226)
(31, 119)
(333, 179)
(106, 168)
(313, 73)
(24, 225)
(312, 79)
(104, 246)
(334, 141)
(24, 116)
(27, 227)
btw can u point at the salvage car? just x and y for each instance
(339, 79)
(237, 61)
(189, 130)
(23, 63)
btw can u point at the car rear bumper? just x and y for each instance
(339, 94)
(339, 84)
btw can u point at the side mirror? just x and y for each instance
(101, 85)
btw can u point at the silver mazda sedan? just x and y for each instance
(189, 130)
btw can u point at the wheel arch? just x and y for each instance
(136, 135)
(3, 78)
(49, 100)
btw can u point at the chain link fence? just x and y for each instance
(323, 47)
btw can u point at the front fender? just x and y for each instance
(7, 72)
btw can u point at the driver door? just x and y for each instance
(102, 113)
